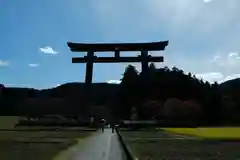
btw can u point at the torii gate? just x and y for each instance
(144, 58)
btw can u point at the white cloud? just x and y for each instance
(207, 1)
(233, 54)
(3, 63)
(48, 50)
(227, 78)
(17, 85)
(211, 77)
(33, 65)
(114, 81)
(230, 60)
(216, 58)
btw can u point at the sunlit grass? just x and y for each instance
(210, 133)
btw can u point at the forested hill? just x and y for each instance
(157, 93)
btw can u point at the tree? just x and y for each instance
(1, 89)
(185, 113)
(130, 76)
(137, 90)
(128, 91)
(228, 109)
(152, 67)
(149, 109)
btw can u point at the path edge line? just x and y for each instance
(124, 146)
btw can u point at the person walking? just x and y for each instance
(113, 127)
(102, 122)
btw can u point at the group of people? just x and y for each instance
(103, 123)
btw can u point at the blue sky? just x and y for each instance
(203, 37)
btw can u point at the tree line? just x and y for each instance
(162, 94)
(171, 94)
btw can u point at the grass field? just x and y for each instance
(223, 133)
(38, 145)
(8, 122)
(163, 144)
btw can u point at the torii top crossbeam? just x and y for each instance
(103, 47)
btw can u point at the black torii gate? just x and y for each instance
(144, 58)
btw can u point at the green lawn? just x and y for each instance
(209, 133)
(37, 145)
